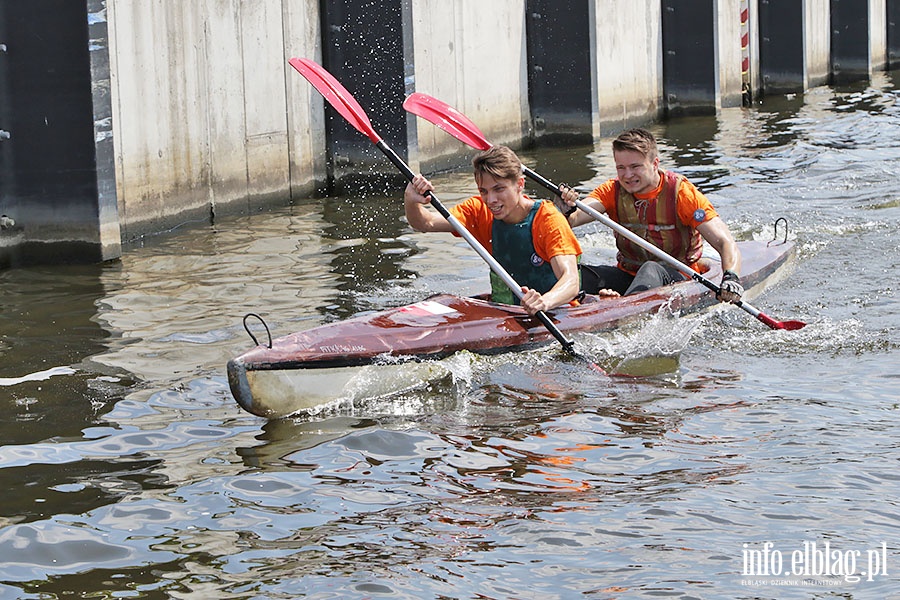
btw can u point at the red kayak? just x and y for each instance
(403, 345)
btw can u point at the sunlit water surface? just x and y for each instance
(128, 470)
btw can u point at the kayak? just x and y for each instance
(397, 347)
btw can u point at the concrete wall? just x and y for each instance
(108, 232)
(702, 56)
(794, 38)
(194, 111)
(561, 74)
(878, 28)
(56, 170)
(207, 114)
(627, 63)
(727, 34)
(858, 39)
(892, 37)
(816, 27)
(474, 60)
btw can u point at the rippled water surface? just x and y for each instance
(129, 471)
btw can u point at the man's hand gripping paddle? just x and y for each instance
(459, 126)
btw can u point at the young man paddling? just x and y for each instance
(662, 207)
(529, 238)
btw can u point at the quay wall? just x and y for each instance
(122, 118)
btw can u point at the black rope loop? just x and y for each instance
(775, 237)
(250, 333)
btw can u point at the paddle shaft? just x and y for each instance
(346, 105)
(459, 228)
(658, 252)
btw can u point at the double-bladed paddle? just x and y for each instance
(343, 102)
(462, 128)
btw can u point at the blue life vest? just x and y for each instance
(512, 246)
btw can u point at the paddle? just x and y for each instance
(459, 126)
(341, 100)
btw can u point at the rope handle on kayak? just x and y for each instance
(775, 237)
(250, 333)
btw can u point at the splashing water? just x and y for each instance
(398, 386)
(825, 336)
(649, 347)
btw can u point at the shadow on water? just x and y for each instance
(49, 322)
(366, 247)
(283, 437)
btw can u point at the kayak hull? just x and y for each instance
(397, 348)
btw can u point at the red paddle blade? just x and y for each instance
(788, 325)
(447, 118)
(336, 95)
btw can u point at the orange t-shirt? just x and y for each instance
(550, 232)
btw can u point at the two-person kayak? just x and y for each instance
(399, 346)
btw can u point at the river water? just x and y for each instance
(746, 463)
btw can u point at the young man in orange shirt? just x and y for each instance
(662, 207)
(529, 238)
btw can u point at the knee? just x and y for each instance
(649, 275)
(651, 269)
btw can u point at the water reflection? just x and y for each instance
(284, 437)
(367, 249)
(74, 489)
(48, 323)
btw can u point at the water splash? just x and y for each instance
(648, 347)
(400, 386)
(826, 337)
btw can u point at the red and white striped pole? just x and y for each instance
(745, 51)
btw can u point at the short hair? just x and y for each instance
(499, 162)
(636, 140)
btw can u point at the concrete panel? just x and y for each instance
(438, 71)
(690, 74)
(363, 47)
(878, 26)
(559, 69)
(892, 41)
(6, 155)
(782, 26)
(55, 107)
(109, 235)
(475, 60)
(265, 104)
(160, 112)
(222, 75)
(628, 64)
(727, 32)
(201, 106)
(816, 34)
(858, 39)
(305, 110)
(702, 57)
